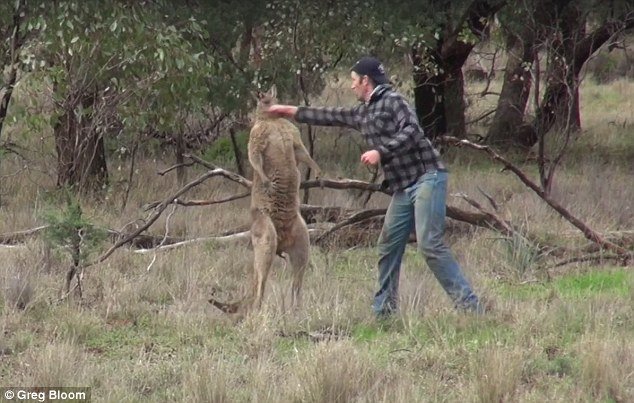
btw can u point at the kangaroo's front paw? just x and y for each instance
(267, 186)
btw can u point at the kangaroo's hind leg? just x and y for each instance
(264, 239)
(299, 254)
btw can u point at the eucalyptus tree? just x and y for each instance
(12, 37)
(523, 29)
(565, 34)
(438, 36)
(116, 69)
(294, 44)
(302, 42)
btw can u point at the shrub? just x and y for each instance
(221, 151)
(609, 66)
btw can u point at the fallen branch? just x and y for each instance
(227, 174)
(196, 203)
(241, 236)
(244, 236)
(501, 224)
(312, 214)
(354, 219)
(587, 231)
(589, 258)
(477, 219)
(13, 238)
(343, 184)
(167, 230)
(159, 210)
(170, 169)
(144, 240)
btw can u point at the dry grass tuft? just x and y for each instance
(336, 372)
(56, 364)
(208, 381)
(497, 374)
(606, 369)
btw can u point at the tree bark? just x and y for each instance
(439, 91)
(509, 115)
(15, 44)
(81, 155)
(429, 97)
(560, 105)
(181, 174)
(455, 105)
(536, 23)
(236, 151)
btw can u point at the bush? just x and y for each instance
(608, 66)
(221, 151)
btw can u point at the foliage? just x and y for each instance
(303, 41)
(70, 230)
(222, 152)
(127, 53)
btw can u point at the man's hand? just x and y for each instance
(371, 157)
(286, 111)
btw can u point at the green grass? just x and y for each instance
(611, 282)
(617, 283)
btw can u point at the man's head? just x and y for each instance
(367, 73)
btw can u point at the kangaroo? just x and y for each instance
(275, 148)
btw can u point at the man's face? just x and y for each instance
(361, 86)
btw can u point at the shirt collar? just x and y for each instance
(377, 92)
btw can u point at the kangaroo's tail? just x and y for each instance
(226, 307)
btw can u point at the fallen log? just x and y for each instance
(588, 232)
(19, 237)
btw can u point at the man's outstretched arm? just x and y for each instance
(324, 116)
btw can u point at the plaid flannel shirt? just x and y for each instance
(390, 126)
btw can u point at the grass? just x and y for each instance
(608, 281)
(534, 345)
(150, 335)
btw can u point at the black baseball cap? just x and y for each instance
(371, 67)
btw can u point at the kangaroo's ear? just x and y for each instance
(272, 92)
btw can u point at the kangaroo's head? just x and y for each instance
(265, 100)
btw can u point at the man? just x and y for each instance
(414, 173)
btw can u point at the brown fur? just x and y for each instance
(275, 149)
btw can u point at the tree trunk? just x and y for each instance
(560, 105)
(505, 130)
(6, 90)
(181, 174)
(455, 105)
(439, 89)
(236, 150)
(429, 99)
(15, 43)
(81, 156)
(509, 128)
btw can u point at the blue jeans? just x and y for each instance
(423, 205)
